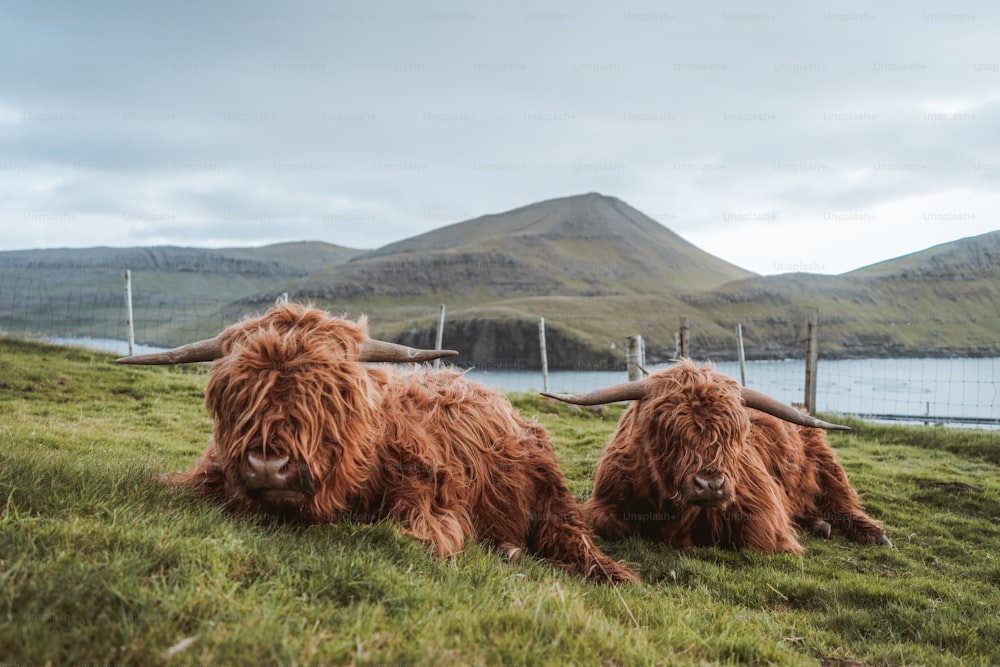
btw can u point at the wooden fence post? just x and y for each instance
(129, 321)
(812, 359)
(742, 356)
(440, 336)
(634, 357)
(544, 354)
(682, 340)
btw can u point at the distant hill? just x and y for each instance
(595, 268)
(587, 245)
(599, 270)
(284, 259)
(590, 262)
(178, 293)
(970, 258)
(943, 301)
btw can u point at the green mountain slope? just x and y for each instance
(965, 259)
(587, 245)
(590, 264)
(941, 301)
(178, 293)
(284, 259)
(595, 268)
(944, 301)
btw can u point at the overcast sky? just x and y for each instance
(778, 136)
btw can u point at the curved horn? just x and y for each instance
(629, 391)
(758, 401)
(381, 351)
(211, 349)
(204, 350)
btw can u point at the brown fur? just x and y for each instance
(692, 421)
(445, 457)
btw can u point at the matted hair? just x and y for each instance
(447, 458)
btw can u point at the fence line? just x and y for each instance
(812, 360)
(924, 390)
(544, 354)
(741, 355)
(439, 342)
(94, 308)
(635, 357)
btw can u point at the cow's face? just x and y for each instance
(697, 430)
(293, 417)
(276, 465)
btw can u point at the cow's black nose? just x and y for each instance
(262, 472)
(709, 486)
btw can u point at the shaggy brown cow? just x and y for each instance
(303, 429)
(692, 464)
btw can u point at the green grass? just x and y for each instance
(99, 563)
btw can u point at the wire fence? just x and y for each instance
(91, 312)
(964, 392)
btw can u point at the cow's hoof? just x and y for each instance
(611, 573)
(511, 552)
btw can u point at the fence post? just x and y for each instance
(742, 356)
(440, 336)
(129, 321)
(682, 340)
(544, 354)
(634, 350)
(812, 359)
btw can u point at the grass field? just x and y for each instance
(100, 564)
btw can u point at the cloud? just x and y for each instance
(10, 116)
(742, 129)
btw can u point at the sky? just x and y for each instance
(779, 136)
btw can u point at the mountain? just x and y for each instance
(598, 270)
(588, 262)
(590, 243)
(970, 258)
(178, 293)
(940, 301)
(283, 259)
(595, 268)
(586, 245)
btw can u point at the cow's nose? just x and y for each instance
(709, 486)
(261, 472)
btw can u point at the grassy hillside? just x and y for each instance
(965, 259)
(596, 269)
(281, 259)
(101, 564)
(178, 293)
(940, 303)
(599, 271)
(587, 245)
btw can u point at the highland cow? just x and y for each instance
(697, 460)
(304, 430)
